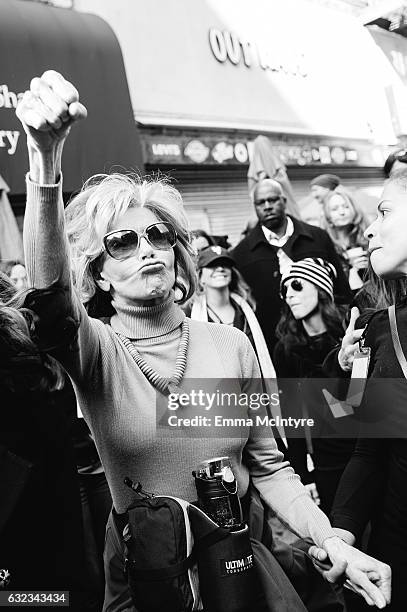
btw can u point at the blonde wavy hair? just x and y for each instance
(93, 212)
(357, 227)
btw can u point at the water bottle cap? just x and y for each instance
(227, 474)
(212, 468)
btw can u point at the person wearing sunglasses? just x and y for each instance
(125, 244)
(311, 325)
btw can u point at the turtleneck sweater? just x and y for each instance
(118, 401)
(145, 323)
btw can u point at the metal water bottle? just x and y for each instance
(217, 492)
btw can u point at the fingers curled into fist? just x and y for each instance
(51, 104)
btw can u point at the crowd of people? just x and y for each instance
(117, 302)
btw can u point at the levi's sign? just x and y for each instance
(230, 47)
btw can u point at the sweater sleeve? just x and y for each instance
(273, 477)
(47, 259)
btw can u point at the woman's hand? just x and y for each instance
(360, 262)
(320, 558)
(363, 574)
(350, 342)
(47, 112)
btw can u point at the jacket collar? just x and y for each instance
(257, 236)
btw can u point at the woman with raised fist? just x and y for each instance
(124, 250)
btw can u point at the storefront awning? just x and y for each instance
(35, 38)
(279, 67)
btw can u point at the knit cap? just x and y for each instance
(330, 181)
(317, 271)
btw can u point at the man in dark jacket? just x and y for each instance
(276, 241)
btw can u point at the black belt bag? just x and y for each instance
(160, 568)
(168, 543)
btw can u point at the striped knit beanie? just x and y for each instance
(317, 271)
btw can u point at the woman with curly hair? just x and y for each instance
(345, 223)
(311, 325)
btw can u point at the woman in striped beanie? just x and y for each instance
(309, 328)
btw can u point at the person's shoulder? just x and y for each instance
(227, 339)
(248, 242)
(240, 247)
(380, 318)
(376, 322)
(219, 331)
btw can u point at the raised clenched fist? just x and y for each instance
(48, 109)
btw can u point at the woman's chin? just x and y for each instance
(386, 272)
(158, 286)
(150, 296)
(159, 293)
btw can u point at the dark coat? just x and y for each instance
(41, 539)
(257, 261)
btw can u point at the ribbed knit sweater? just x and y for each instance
(118, 402)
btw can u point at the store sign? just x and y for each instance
(229, 47)
(304, 155)
(196, 151)
(210, 150)
(166, 150)
(222, 152)
(8, 101)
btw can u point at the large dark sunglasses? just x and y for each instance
(122, 244)
(270, 200)
(296, 285)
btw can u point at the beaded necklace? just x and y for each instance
(164, 385)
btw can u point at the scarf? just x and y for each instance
(199, 312)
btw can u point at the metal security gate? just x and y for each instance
(221, 206)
